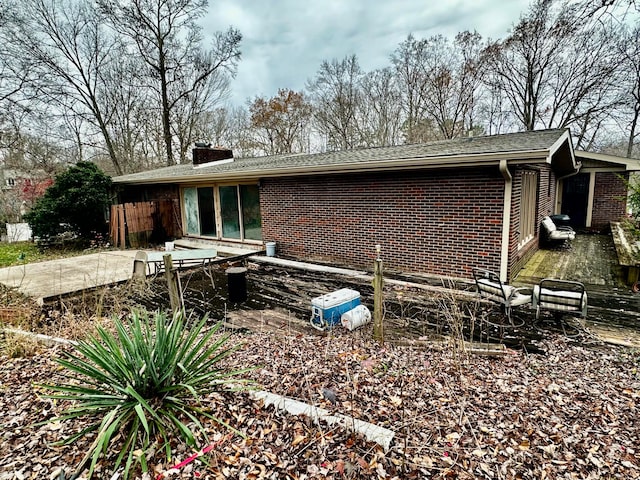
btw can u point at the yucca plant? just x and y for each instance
(142, 384)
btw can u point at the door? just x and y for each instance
(575, 198)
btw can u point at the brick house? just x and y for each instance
(440, 208)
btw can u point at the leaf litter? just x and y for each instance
(568, 414)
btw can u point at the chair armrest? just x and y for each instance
(522, 291)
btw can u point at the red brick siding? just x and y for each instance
(438, 222)
(609, 199)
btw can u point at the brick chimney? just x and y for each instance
(205, 153)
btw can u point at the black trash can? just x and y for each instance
(237, 284)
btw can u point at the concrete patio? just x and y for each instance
(49, 280)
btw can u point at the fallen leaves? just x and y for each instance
(570, 414)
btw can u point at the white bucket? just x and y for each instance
(355, 318)
(271, 249)
(169, 246)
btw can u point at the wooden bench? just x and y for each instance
(560, 296)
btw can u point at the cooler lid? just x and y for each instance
(335, 298)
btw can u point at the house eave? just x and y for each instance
(617, 163)
(417, 163)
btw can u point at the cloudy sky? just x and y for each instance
(285, 41)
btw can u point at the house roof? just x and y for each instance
(544, 146)
(600, 161)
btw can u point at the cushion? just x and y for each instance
(563, 300)
(493, 290)
(548, 224)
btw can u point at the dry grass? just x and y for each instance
(16, 345)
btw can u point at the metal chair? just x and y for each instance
(555, 234)
(562, 296)
(491, 288)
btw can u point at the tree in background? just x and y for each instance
(335, 95)
(69, 50)
(452, 81)
(409, 62)
(556, 69)
(280, 123)
(630, 83)
(168, 41)
(380, 119)
(77, 201)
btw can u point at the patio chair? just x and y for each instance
(554, 234)
(560, 296)
(491, 288)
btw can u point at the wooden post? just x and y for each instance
(378, 282)
(172, 284)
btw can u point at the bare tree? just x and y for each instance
(380, 112)
(229, 127)
(556, 69)
(452, 81)
(409, 62)
(629, 49)
(68, 50)
(335, 95)
(168, 39)
(188, 110)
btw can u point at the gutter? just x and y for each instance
(417, 163)
(506, 219)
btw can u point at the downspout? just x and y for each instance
(506, 219)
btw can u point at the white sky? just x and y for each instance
(285, 41)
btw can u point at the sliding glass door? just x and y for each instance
(200, 211)
(230, 212)
(225, 211)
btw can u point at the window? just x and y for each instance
(528, 202)
(226, 211)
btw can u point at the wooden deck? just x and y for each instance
(590, 259)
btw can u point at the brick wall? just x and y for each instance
(609, 199)
(439, 222)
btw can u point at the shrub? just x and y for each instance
(143, 383)
(76, 202)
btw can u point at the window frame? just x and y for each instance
(529, 189)
(218, 212)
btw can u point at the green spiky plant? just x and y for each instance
(144, 383)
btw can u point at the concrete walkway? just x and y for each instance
(45, 281)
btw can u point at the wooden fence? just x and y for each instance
(138, 224)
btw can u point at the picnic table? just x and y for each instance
(153, 262)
